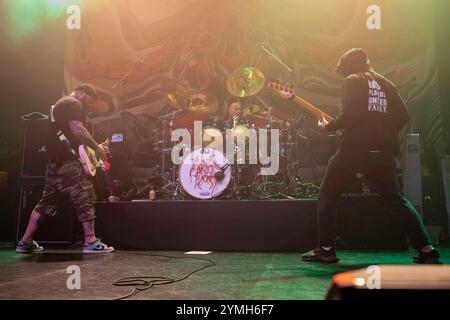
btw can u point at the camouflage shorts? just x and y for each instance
(67, 181)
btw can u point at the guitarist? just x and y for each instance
(373, 113)
(65, 176)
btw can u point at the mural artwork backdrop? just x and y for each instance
(200, 42)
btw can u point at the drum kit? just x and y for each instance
(206, 172)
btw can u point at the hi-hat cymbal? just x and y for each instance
(199, 102)
(245, 82)
(180, 97)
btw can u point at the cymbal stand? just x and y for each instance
(169, 184)
(290, 163)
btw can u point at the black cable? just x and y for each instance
(142, 283)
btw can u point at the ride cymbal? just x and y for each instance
(245, 82)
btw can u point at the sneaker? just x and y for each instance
(23, 247)
(431, 257)
(96, 247)
(321, 255)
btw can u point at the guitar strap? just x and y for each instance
(66, 141)
(61, 135)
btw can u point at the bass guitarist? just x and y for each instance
(373, 113)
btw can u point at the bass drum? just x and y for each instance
(197, 173)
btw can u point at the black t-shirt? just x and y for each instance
(373, 113)
(66, 109)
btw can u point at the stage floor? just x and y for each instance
(238, 276)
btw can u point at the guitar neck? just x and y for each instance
(313, 110)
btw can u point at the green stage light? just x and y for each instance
(23, 17)
(27, 16)
(58, 7)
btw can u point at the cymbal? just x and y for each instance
(253, 109)
(199, 102)
(245, 82)
(173, 88)
(180, 97)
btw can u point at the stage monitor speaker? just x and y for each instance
(365, 222)
(412, 179)
(445, 169)
(60, 229)
(34, 147)
(393, 282)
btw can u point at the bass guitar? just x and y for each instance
(287, 92)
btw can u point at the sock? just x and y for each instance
(427, 249)
(326, 248)
(92, 241)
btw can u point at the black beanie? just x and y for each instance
(353, 61)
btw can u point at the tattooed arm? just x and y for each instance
(83, 135)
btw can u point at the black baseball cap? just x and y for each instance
(353, 61)
(89, 89)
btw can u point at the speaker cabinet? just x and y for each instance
(412, 179)
(34, 147)
(365, 222)
(59, 229)
(445, 169)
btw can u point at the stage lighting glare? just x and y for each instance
(26, 16)
(359, 282)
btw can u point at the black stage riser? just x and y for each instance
(224, 225)
(209, 225)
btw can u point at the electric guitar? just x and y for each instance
(287, 92)
(89, 159)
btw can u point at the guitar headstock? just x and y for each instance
(106, 143)
(285, 91)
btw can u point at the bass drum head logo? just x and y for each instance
(198, 170)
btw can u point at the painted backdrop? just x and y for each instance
(200, 42)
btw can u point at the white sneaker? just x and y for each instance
(23, 247)
(96, 247)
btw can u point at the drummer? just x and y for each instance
(234, 108)
(249, 114)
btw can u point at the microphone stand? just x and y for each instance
(291, 147)
(276, 58)
(125, 77)
(266, 48)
